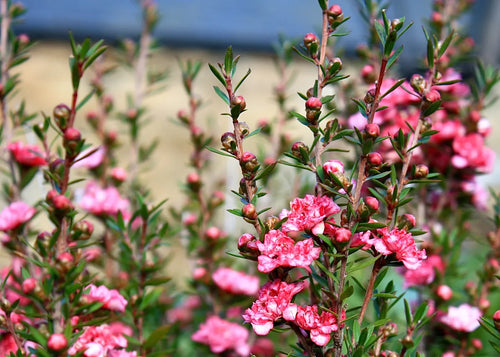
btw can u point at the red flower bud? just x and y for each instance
(421, 171)
(342, 235)
(444, 292)
(369, 74)
(432, 96)
(239, 100)
(372, 203)
(375, 159)
(57, 342)
(28, 285)
(213, 233)
(311, 42)
(249, 211)
(62, 203)
(372, 130)
(313, 103)
(496, 319)
(194, 181)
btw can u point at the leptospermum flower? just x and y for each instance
(103, 201)
(464, 318)
(221, 335)
(308, 214)
(27, 155)
(280, 250)
(235, 282)
(274, 299)
(103, 340)
(14, 215)
(111, 299)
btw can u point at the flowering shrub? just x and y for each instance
(376, 253)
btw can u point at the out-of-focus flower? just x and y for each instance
(104, 201)
(28, 155)
(111, 299)
(426, 273)
(14, 215)
(90, 161)
(471, 152)
(463, 318)
(221, 335)
(235, 282)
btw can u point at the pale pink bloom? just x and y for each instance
(111, 299)
(98, 341)
(448, 354)
(463, 318)
(480, 195)
(199, 273)
(471, 152)
(448, 130)
(91, 161)
(274, 299)
(400, 243)
(14, 215)
(236, 282)
(426, 273)
(28, 155)
(333, 166)
(221, 335)
(104, 201)
(92, 253)
(308, 214)
(280, 250)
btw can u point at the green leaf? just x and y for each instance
(322, 4)
(235, 211)
(228, 60)
(445, 44)
(265, 172)
(222, 95)
(362, 264)
(434, 106)
(241, 80)
(327, 99)
(85, 100)
(156, 336)
(150, 298)
(220, 152)
(394, 57)
(348, 291)
(408, 313)
(430, 52)
(217, 75)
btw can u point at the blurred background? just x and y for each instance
(201, 30)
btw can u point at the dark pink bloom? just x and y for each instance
(221, 335)
(14, 215)
(471, 152)
(111, 299)
(102, 340)
(28, 155)
(235, 282)
(463, 318)
(274, 299)
(280, 250)
(7, 345)
(308, 214)
(103, 201)
(400, 243)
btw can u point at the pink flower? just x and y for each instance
(103, 201)
(111, 299)
(221, 335)
(57, 341)
(7, 345)
(333, 166)
(308, 214)
(401, 243)
(119, 174)
(463, 318)
(102, 340)
(444, 292)
(274, 299)
(14, 215)
(426, 273)
(90, 161)
(471, 152)
(236, 282)
(280, 250)
(28, 155)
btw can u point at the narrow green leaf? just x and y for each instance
(157, 335)
(228, 60)
(394, 57)
(442, 49)
(85, 100)
(408, 313)
(220, 152)
(217, 75)
(241, 80)
(222, 95)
